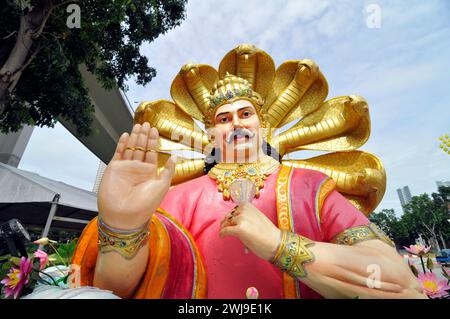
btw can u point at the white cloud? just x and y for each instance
(393, 67)
(54, 153)
(401, 69)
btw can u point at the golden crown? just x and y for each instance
(230, 88)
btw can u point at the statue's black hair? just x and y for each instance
(214, 157)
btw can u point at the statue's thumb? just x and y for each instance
(169, 168)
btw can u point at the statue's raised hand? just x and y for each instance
(131, 188)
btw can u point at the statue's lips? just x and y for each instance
(241, 139)
(239, 136)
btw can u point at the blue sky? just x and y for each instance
(401, 69)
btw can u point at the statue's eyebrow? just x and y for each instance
(222, 113)
(242, 108)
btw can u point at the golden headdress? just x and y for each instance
(295, 91)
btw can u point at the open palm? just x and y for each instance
(131, 188)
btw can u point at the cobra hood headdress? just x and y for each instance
(295, 91)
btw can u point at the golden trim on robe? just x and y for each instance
(358, 234)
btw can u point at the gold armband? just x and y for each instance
(357, 234)
(125, 242)
(292, 254)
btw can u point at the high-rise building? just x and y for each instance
(404, 195)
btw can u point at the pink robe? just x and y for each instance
(199, 207)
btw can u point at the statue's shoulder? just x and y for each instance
(307, 173)
(309, 177)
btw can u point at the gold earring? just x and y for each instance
(265, 125)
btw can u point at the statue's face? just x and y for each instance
(237, 129)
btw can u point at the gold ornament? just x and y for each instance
(357, 234)
(445, 143)
(226, 173)
(292, 254)
(295, 91)
(125, 242)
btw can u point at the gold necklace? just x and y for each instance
(225, 173)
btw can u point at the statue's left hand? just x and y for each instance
(255, 230)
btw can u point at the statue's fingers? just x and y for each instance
(225, 220)
(152, 145)
(229, 219)
(230, 231)
(131, 143)
(141, 143)
(121, 144)
(169, 169)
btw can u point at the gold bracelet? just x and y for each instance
(280, 247)
(125, 242)
(292, 254)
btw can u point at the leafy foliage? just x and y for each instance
(107, 42)
(424, 215)
(64, 253)
(62, 256)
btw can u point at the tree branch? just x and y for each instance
(11, 4)
(9, 35)
(427, 228)
(31, 25)
(56, 38)
(16, 75)
(37, 32)
(65, 2)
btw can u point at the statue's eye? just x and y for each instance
(247, 113)
(224, 119)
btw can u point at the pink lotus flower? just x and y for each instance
(418, 250)
(43, 258)
(17, 278)
(252, 293)
(432, 286)
(44, 241)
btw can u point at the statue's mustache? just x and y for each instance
(239, 132)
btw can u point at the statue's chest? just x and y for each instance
(211, 207)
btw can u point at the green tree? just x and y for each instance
(388, 221)
(442, 200)
(428, 216)
(40, 54)
(424, 216)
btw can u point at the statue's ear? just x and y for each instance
(271, 151)
(211, 159)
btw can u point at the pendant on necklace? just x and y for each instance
(242, 190)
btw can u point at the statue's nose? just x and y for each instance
(236, 121)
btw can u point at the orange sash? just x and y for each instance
(160, 265)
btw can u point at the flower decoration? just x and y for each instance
(44, 241)
(433, 287)
(17, 278)
(24, 273)
(43, 258)
(252, 293)
(418, 250)
(445, 143)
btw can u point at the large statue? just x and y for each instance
(244, 216)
